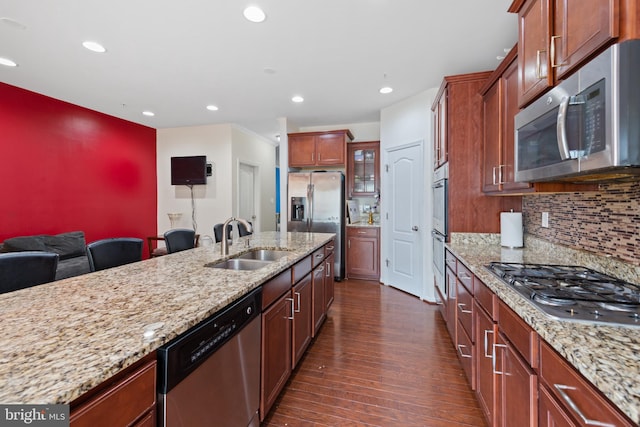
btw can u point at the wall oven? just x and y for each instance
(439, 232)
(587, 124)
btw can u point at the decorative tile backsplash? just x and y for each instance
(606, 222)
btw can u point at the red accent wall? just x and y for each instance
(65, 168)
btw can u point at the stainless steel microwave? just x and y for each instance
(588, 126)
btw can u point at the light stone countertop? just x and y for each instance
(608, 356)
(364, 224)
(60, 339)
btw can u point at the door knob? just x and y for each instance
(414, 228)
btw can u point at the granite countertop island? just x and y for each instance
(608, 356)
(63, 338)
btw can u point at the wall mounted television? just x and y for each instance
(190, 170)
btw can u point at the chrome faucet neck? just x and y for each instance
(224, 246)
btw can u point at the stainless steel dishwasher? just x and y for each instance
(210, 375)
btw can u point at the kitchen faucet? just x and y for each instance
(224, 246)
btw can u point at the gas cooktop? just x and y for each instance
(573, 293)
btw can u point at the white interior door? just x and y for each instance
(405, 219)
(247, 193)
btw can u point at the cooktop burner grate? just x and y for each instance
(573, 292)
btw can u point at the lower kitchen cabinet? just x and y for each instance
(517, 384)
(127, 399)
(569, 398)
(319, 303)
(276, 351)
(302, 320)
(329, 281)
(485, 332)
(363, 253)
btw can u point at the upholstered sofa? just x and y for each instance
(71, 247)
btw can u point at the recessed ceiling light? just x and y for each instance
(254, 14)
(212, 108)
(94, 46)
(7, 62)
(386, 90)
(297, 99)
(148, 113)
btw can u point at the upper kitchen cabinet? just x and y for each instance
(500, 105)
(363, 169)
(555, 36)
(309, 149)
(469, 210)
(499, 108)
(440, 149)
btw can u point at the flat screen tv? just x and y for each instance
(191, 170)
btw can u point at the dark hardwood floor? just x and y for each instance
(382, 358)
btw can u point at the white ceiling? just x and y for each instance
(176, 57)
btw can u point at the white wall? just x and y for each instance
(253, 150)
(216, 201)
(406, 122)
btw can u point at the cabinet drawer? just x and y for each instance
(301, 269)
(318, 256)
(520, 334)
(363, 232)
(578, 396)
(466, 353)
(121, 403)
(275, 288)
(464, 306)
(466, 277)
(485, 297)
(450, 261)
(329, 248)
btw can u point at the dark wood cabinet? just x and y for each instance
(363, 253)
(440, 143)
(319, 303)
(499, 108)
(310, 149)
(517, 387)
(570, 398)
(276, 351)
(486, 330)
(302, 320)
(469, 209)
(363, 169)
(127, 399)
(329, 281)
(556, 36)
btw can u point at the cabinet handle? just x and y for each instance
(494, 358)
(553, 52)
(461, 352)
(330, 248)
(312, 156)
(292, 308)
(494, 176)
(349, 243)
(561, 390)
(462, 310)
(486, 343)
(319, 255)
(500, 175)
(539, 65)
(297, 294)
(463, 275)
(362, 232)
(328, 269)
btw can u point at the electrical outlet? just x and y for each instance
(545, 219)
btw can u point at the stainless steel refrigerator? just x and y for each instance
(316, 204)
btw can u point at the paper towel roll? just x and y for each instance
(511, 229)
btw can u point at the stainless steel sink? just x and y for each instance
(264, 255)
(239, 264)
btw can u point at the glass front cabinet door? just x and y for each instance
(364, 169)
